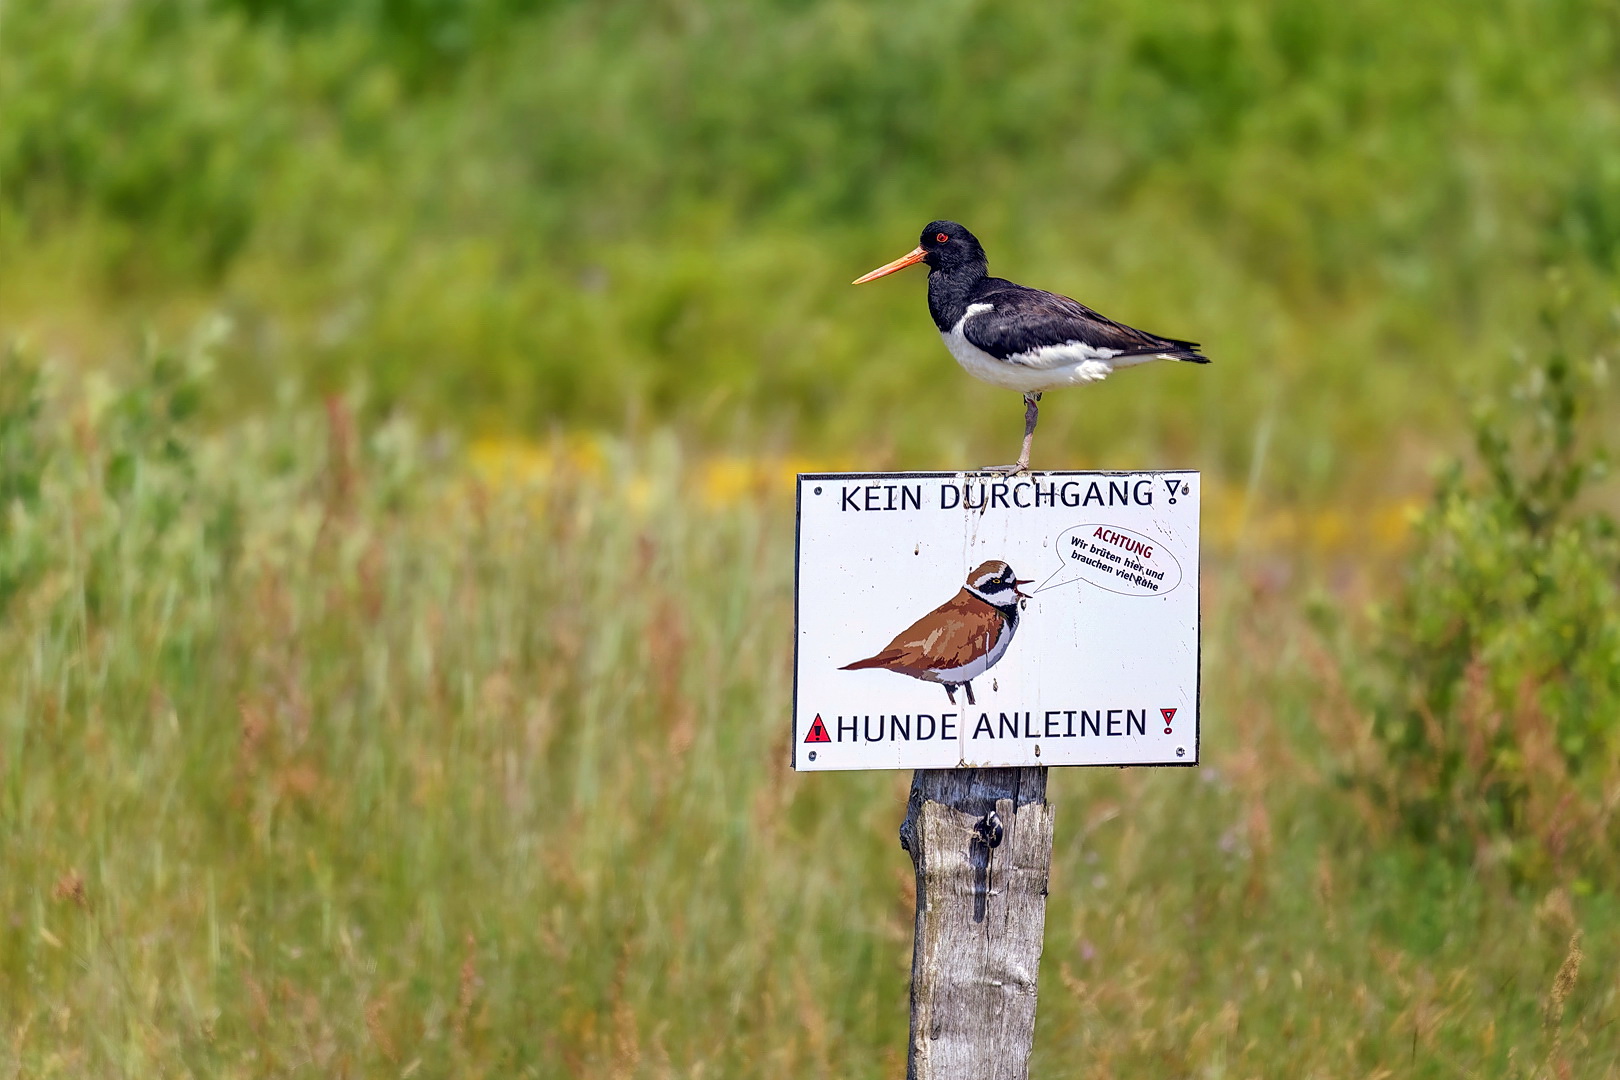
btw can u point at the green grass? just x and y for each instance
(323, 756)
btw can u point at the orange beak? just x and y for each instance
(901, 263)
(1021, 581)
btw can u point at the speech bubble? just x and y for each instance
(1114, 558)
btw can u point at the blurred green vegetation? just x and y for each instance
(519, 215)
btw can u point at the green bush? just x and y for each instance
(1495, 687)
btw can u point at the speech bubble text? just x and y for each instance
(1117, 559)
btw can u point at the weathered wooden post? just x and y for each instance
(1103, 671)
(981, 840)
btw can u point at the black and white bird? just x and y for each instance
(1020, 338)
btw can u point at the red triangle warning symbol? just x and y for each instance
(818, 731)
(1168, 714)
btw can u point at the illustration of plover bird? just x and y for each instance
(1020, 338)
(962, 638)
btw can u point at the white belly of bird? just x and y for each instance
(974, 668)
(1071, 363)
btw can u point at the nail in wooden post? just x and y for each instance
(981, 841)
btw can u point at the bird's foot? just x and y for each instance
(1014, 469)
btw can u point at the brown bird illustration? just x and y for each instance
(962, 638)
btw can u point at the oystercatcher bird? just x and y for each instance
(962, 638)
(1021, 338)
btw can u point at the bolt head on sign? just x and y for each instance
(974, 620)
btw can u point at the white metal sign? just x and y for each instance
(972, 620)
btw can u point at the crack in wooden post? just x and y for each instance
(981, 843)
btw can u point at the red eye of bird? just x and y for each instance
(941, 237)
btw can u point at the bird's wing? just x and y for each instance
(950, 636)
(1042, 329)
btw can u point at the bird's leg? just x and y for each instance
(950, 692)
(968, 686)
(1031, 414)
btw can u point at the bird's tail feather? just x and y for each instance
(1186, 352)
